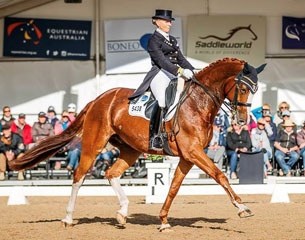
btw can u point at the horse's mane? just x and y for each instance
(218, 63)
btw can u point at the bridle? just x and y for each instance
(241, 78)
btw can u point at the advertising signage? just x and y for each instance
(46, 38)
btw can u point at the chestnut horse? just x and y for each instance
(106, 119)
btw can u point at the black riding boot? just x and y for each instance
(156, 139)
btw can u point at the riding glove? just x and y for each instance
(186, 73)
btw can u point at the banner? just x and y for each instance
(215, 37)
(126, 44)
(45, 38)
(293, 33)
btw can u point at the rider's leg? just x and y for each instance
(158, 87)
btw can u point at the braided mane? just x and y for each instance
(219, 62)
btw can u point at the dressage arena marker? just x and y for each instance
(17, 197)
(280, 194)
(158, 175)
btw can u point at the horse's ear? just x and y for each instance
(261, 68)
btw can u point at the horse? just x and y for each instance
(106, 119)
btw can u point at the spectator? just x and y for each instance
(60, 126)
(23, 129)
(11, 147)
(260, 142)
(216, 148)
(268, 122)
(252, 123)
(278, 117)
(63, 124)
(286, 146)
(238, 141)
(7, 117)
(105, 160)
(51, 115)
(41, 129)
(301, 144)
(74, 151)
(285, 116)
(261, 111)
(72, 110)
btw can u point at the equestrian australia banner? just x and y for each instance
(293, 33)
(44, 38)
(126, 44)
(214, 37)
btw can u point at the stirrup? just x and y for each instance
(157, 143)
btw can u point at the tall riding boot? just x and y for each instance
(156, 138)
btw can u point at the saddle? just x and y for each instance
(146, 105)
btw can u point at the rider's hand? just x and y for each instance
(187, 73)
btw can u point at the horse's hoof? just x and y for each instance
(245, 213)
(66, 224)
(121, 219)
(165, 228)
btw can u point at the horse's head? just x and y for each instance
(240, 95)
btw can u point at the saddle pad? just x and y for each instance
(137, 108)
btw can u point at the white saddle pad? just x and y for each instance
(138, 108)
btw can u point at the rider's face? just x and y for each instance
(164, 25)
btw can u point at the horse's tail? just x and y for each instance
(51, 145)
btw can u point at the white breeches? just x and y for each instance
(158, 87)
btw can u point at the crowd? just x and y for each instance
(17, 136)
(276, 135)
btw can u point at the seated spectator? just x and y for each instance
(238, 141)
(11, 147)
(286, 146)
(74, 151)
(216, 148)
(261, 111)
(51, 115)
(301, 144)
(72, 110)
(285, 116)
(268, 122)
(105, 160)
(63, 124)
(278, 117)
(41, 129)
(23, 129)
(7, 117)
(60, 126)
(260, 142)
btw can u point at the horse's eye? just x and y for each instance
(243, 90)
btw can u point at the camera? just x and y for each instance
(104, 161)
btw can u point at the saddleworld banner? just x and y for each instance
(211, 38)
(126, 44)
(293, 33)
(45, 38)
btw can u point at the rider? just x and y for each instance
(168, 63)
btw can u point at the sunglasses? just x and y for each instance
(284, 107)
(7, 111)
(262, 124)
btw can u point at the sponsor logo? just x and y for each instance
(223, 42)
(295, 32)
(28, 32)
(131, 45)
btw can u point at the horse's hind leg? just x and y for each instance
(127, 158)
(182, 169)
(68, 220)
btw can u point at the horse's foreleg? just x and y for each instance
(68, 220)
(212, 170)
(182, 169)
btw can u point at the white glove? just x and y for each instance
(187, 73)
